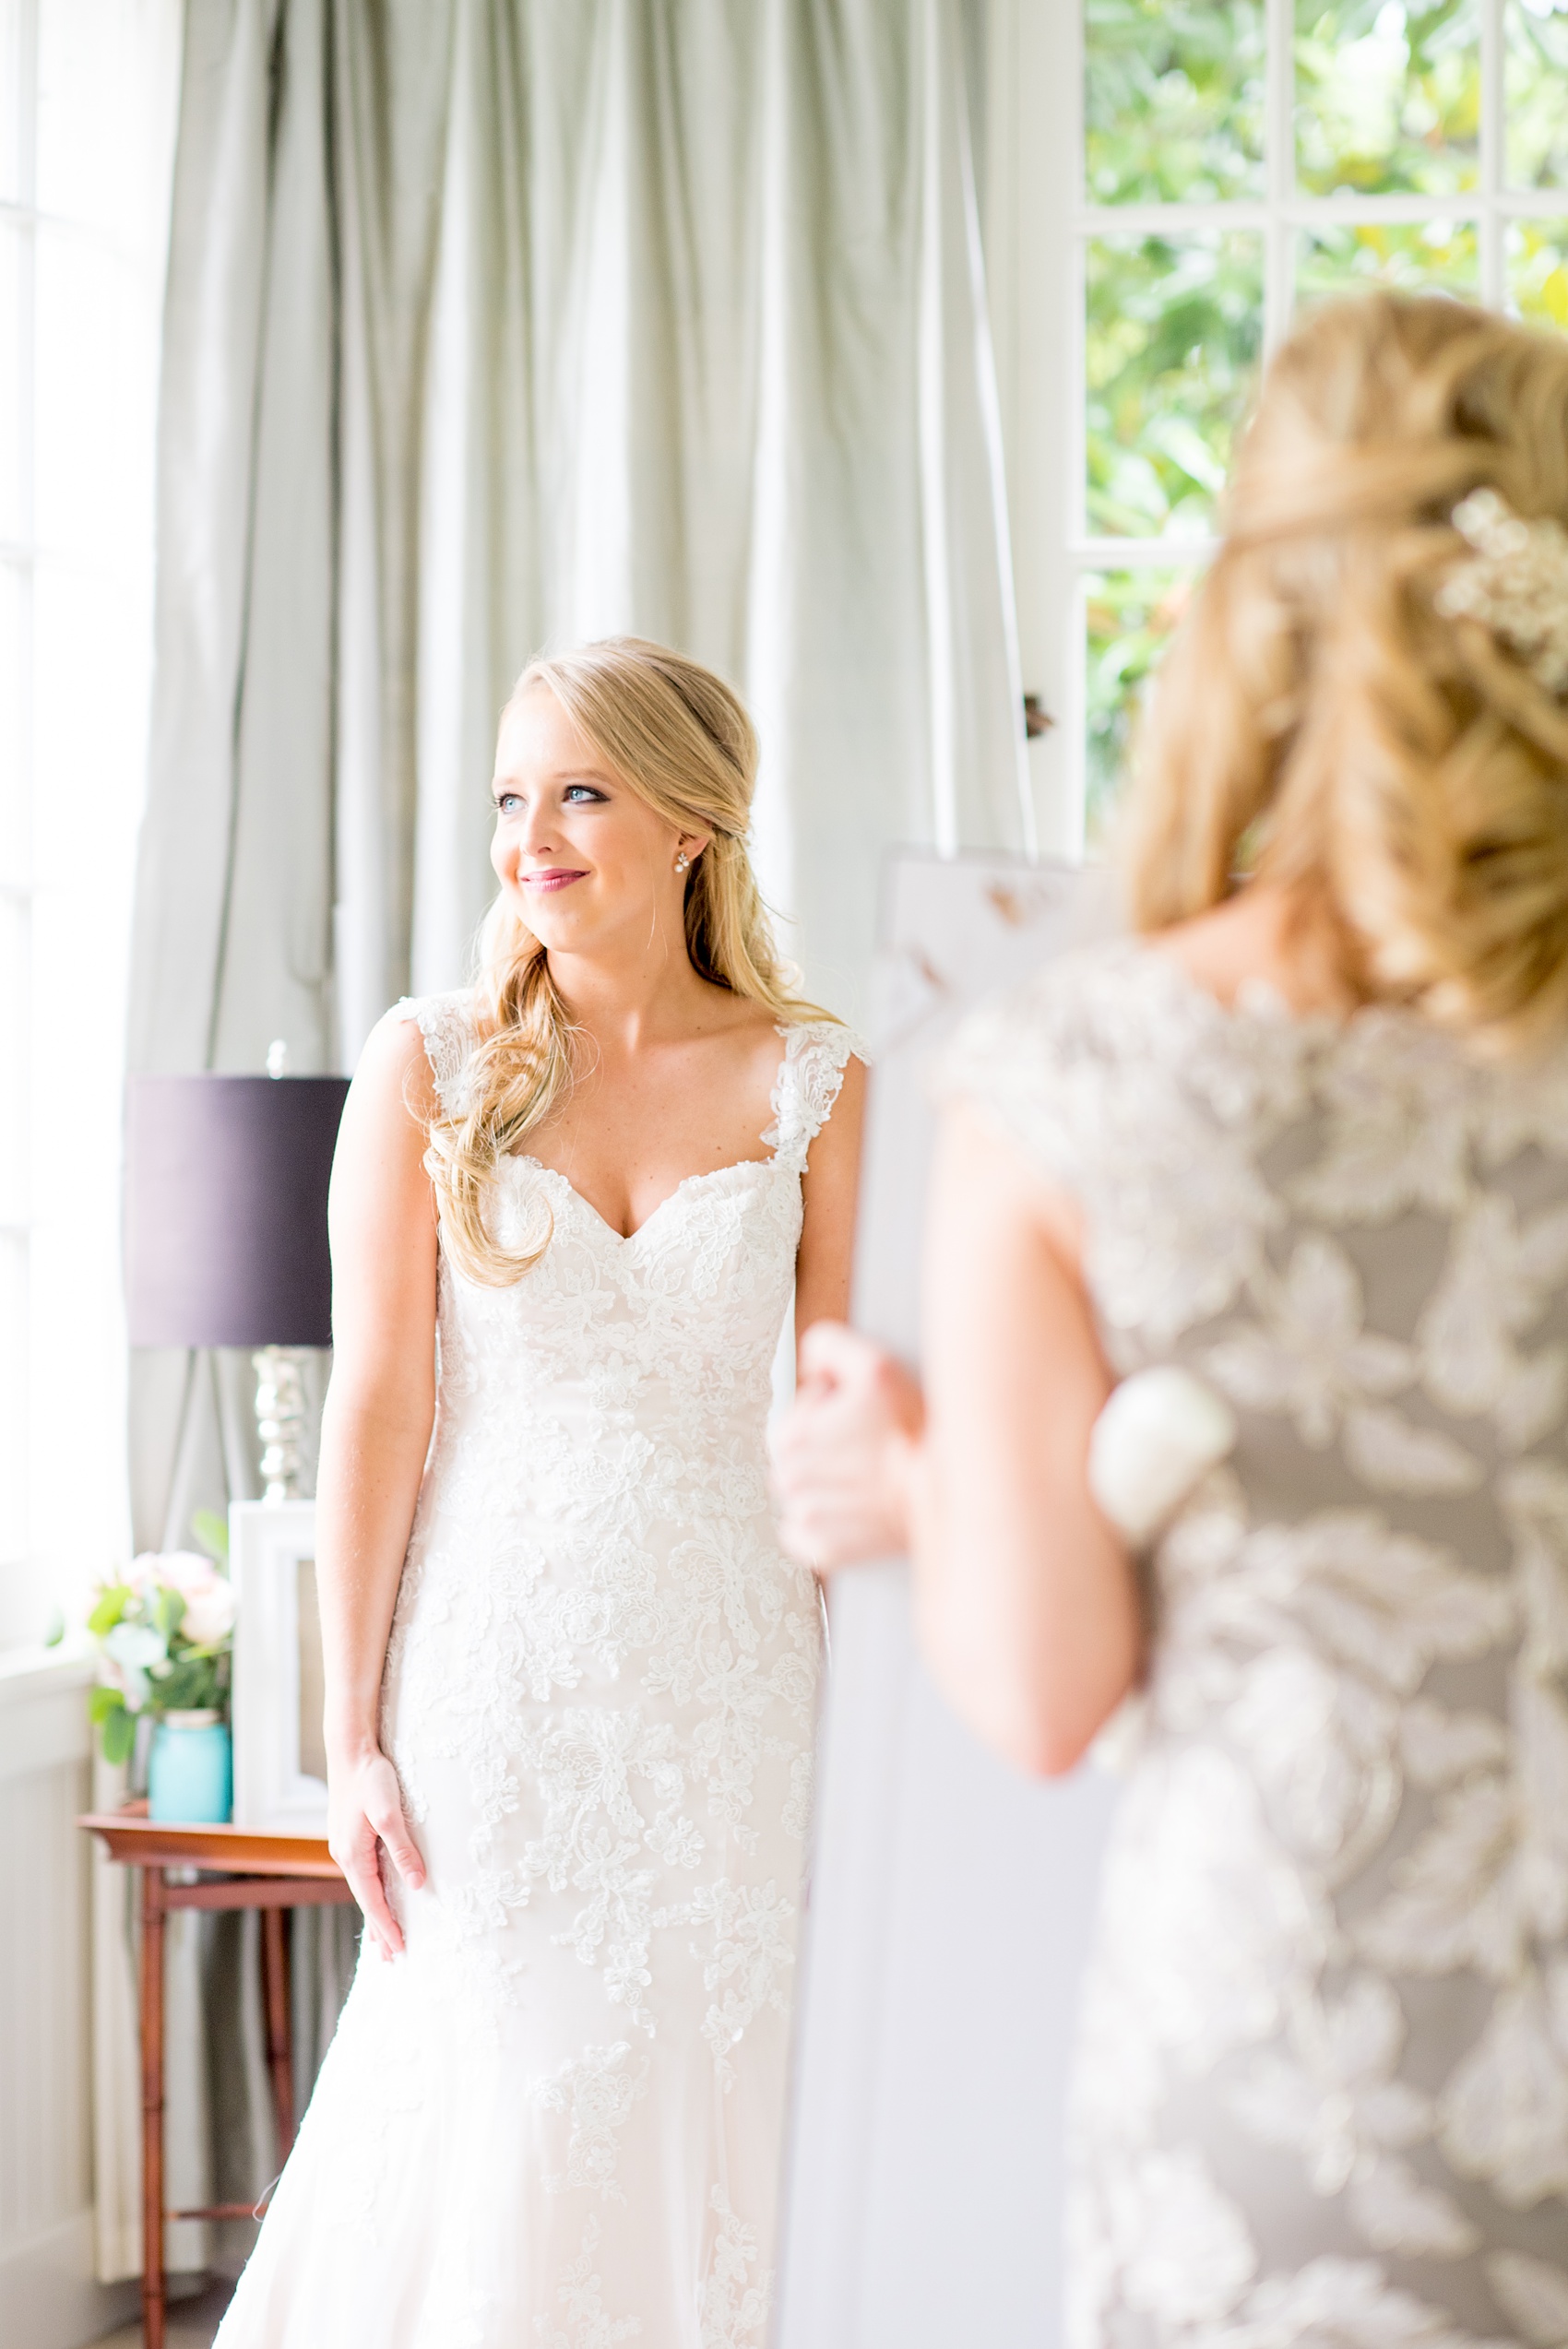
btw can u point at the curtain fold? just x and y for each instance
(496, 324)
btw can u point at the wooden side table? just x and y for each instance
(242, 1868)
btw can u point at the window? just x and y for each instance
(85, 92)
(1219, 160)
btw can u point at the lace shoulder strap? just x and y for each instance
(815, 1053)
(447, 1025)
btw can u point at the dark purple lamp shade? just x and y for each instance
(226, 1209)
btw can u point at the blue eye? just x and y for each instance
(582, 791)
(506, 801)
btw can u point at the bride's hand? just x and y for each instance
(845, 1453)
(364, 1817)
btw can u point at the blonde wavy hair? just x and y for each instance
(680, 740)
(1320, 723)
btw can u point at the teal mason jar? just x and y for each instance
(190, 1776)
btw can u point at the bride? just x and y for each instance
(570, 1676)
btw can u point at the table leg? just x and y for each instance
(152, 2282)
(279, 2034)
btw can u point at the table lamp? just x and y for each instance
(226, 1230)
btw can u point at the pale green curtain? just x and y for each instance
(494, 324)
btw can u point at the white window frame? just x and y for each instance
(81, 210)
(1038, 229)
(18, 555)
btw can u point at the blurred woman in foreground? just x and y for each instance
(1306, 1138)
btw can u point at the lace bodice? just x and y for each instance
(1322, 2086)
(559, 2117)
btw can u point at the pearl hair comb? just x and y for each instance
(1516, 583)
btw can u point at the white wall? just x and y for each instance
(48, 2297)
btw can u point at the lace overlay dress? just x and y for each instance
(556, 2122)
(1322, 2085)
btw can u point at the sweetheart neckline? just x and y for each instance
(687, 1182)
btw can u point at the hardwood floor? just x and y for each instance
(192, 2323)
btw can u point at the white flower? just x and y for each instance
(209, 1613)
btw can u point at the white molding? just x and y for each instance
(49, 2293)
(43, 1720)
(1316, 212)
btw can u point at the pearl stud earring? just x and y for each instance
(683, 862)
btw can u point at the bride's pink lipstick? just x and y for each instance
(557, 880)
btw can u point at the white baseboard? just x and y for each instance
(49, 2296)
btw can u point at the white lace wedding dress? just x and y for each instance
(556, 2122)
(1321, 2094)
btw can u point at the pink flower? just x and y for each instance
(208, 1596)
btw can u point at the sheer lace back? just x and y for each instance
(1322, 2087)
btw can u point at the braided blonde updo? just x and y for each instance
(1321, 722)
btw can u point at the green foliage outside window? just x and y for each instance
(1441, 258)
(1388, 98)
(1128, 620)
(1173, 101)
(1172, 333)
(1387, 102)
(1538, 272)
(1535, 92)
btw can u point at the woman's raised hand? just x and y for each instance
(846, 1454)
(364, 1817)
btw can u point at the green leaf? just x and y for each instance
(168, 1610)
(109, 1610)
(56, 1631)
(102, 1701)
(191, 1684)
(211, 1531)
(119, 1735)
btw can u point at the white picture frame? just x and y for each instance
(279, 1767)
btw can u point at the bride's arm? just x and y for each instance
(1025, 1600)
(828, 1193)
(374, 1434)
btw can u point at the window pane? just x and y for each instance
(1537, 92)
(1173, 329)
(1129, 617)
(1538, 272)
(15, 966)
(1439, 258)
(1387, 97)
(1173, 99)
(13, 1418)
(16, 106)
(95, 375)
(15, 342)
(14, 705)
